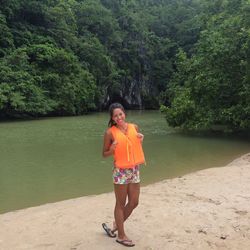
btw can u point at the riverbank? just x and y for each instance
(208, 209)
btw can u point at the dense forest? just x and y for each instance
(70, 57)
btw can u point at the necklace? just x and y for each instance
(124, 129)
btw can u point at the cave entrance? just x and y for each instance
(119, 99)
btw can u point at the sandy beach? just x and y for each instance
(208, 209)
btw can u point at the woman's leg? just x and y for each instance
(121, 192)
(133, 199)
(133, 192)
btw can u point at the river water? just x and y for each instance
(53, 159)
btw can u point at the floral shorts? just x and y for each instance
(126, 175)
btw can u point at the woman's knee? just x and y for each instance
(120, 205)
(133, 204)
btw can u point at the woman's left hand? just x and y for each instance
(140, 136)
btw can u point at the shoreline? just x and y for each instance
(207, 209)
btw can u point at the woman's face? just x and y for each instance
(118, 116)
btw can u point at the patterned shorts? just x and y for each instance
(126, 175)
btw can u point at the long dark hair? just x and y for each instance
(113, 106)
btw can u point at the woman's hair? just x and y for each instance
(112, 107)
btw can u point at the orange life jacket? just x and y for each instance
(128, 151)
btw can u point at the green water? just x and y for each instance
(54, 159)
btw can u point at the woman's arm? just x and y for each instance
(109, 144)
(139, 135)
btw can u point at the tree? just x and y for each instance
(215, 78)
(6, 38)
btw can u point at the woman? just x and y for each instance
(123, 141)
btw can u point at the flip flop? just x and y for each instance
(126, 243)
(109, 232)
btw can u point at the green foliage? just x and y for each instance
(94, 18)
(61, 57)
(6, 38)
(75, 53)
(215, 78)
(42, 79)
(19, 94)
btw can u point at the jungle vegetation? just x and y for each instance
(190, 57)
